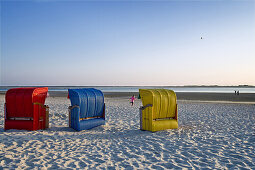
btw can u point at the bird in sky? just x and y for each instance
(201, 38)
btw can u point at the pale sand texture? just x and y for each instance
(210, 135)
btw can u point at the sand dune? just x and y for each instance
(210, 135)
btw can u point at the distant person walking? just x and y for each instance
(132, 100)
(235, 92)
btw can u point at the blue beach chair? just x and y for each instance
(87, 108)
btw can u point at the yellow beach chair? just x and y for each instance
(159, 110)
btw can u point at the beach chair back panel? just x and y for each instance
(74, 97)
(99, 98)
(19, 102)
(25, 108)
(83, 104)
(164, 104)
(150, 96)
(28, 112)
(79, 98)
(168, 103)
(91, 103)
(38, 99)
(172, 104)
(39, 95)
(163, 101)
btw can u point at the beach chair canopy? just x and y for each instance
(87, 108)
(24, 108)
(159, 111)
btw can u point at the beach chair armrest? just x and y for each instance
(144, 107)
(72, 107)
(40, 104)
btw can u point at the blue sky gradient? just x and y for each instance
(127, 43)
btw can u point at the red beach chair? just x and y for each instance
(25, 109)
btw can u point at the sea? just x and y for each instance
(202, 89)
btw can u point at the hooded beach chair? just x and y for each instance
(87, 108)
(159, 110)
(25, 109)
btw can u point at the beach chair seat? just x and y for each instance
(87, 108)
(25, 109)
(159, 110)
(90, 123)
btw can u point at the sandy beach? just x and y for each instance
(203, 50)
(210, 135)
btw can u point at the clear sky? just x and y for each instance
(128, 42)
